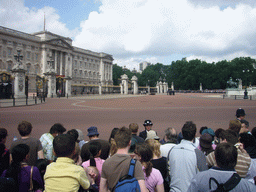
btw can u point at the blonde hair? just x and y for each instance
(113, 147)
(154, 146)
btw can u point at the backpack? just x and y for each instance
(229, 185)
(128, 183)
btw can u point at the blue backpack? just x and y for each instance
(128, 183)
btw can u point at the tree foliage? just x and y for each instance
(187, 75)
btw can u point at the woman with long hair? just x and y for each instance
(159, 162)
(153, 178)
(21, 172)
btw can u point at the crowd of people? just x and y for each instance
(179, 162)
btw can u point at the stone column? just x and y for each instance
(165, 87)
(51, 77)
(201, 87)
(56, 61)
(68, 86)
(44, 59)
(157, 87)
(125, 83)
(100, 89)
(135, 85)
(161, 86)
(172, 86)
(121, 89)
(61, 64)
(19, 82)
(71, 66)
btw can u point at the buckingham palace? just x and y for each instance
(75, 69)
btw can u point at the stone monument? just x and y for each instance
(19, 77)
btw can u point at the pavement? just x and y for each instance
(109, 111)
(20, 102)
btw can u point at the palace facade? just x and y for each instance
(44, 50)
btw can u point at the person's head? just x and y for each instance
(189, 131)
(144, 154)
(201, 129)
(64, 145)
(20, 153)
(148, 125)
(80, 135)
(152, 135)
(73, 133)
(95, 148)
(240, 113)
(235, 125)
(3, 135)
(92, 132)
(210, 132)
(24, 128)
(134, 127)
(112, 134)
(154, 146)
(226, 156)
(123, 138)
(205, 143)
(244, 126)
(228, 136)
(248, 140)
(217, 134)
(254, 132)
(57, 129)
(170, 135)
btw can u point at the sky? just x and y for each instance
(133, 31)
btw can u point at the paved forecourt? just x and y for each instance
(109, 111)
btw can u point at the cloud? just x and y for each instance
(14, 14)
(135, 28)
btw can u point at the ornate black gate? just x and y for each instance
(41, 86)
(5, 85)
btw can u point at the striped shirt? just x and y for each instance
(242, 166)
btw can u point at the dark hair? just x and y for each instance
(146, 154)
(218, 131)
(230, 135)
(123, 137)
(57, 128)
(24, 128)
(189, 130)
(254, 132)
(112, 135)
(63, 145)
(226, 155)
(74, 134)
(19, 153)
(3, 134)
(248, 140)
(243, 121)
(94, 148)
(201, 129)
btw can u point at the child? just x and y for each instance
(95, 160)
(64, 175)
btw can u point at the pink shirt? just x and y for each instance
(99, 163)
(155, 178)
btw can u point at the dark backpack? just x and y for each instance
(229, 185)
(128, 183)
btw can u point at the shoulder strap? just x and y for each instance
(31, 182)
(131, 168)
(232, 182)
(169, 153)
